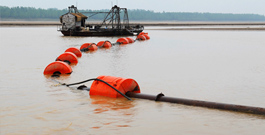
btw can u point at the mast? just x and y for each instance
(113, 18)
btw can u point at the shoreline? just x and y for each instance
(32, 23)
(261, 25)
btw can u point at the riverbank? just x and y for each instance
(30, 23)
(181, 25)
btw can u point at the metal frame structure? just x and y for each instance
(113, 18)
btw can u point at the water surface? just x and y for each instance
(218, 66)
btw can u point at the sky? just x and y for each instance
(210, 6)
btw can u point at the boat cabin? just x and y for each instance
(73, 19)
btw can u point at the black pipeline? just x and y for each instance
(163, 98)
(215, 105)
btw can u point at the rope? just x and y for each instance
(96, 80)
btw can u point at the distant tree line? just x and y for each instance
(30, 13)
(186, 16)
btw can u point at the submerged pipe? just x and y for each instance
(215, 105)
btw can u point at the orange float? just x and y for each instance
(74, 50)
(57, 67)
(143, 34)
(92, 47)
(68, 57)
(122, 84)
(88, 47)
(140, 37)
(84, 46)
(100, 43)
(105, 44)
(130, 40)
(122, 41)
(146, 36)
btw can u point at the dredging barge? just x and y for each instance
(74, 24)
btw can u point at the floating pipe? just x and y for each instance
(215, 105)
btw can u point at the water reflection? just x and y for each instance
(113, 112)
(110, 104)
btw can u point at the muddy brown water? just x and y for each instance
(219, 66)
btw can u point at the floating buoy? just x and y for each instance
(74, 50)
(122, 84)
(92, 47)
(84, 46)
(140, 37)
(105, 44)
(68, 57)
(122, 41)
(143, 34)
(130, 40)
(88, 47)
(100, 43)
(146, 36)
(57, 67)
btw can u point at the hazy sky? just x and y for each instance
(212, 6)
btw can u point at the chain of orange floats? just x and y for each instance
(71, 55)
(114, 87)
(109, 86)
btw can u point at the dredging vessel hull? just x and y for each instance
(114, 32)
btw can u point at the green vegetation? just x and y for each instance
(30, 13)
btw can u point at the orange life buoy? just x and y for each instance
(130, 40)
(122, 84)
(68, 57)
(84, 46)
(140, 37)
(57, 67)
(88, 47)
(92, 47)
(122, 41)
(74, 50)
(105, 44)
(146, 36)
